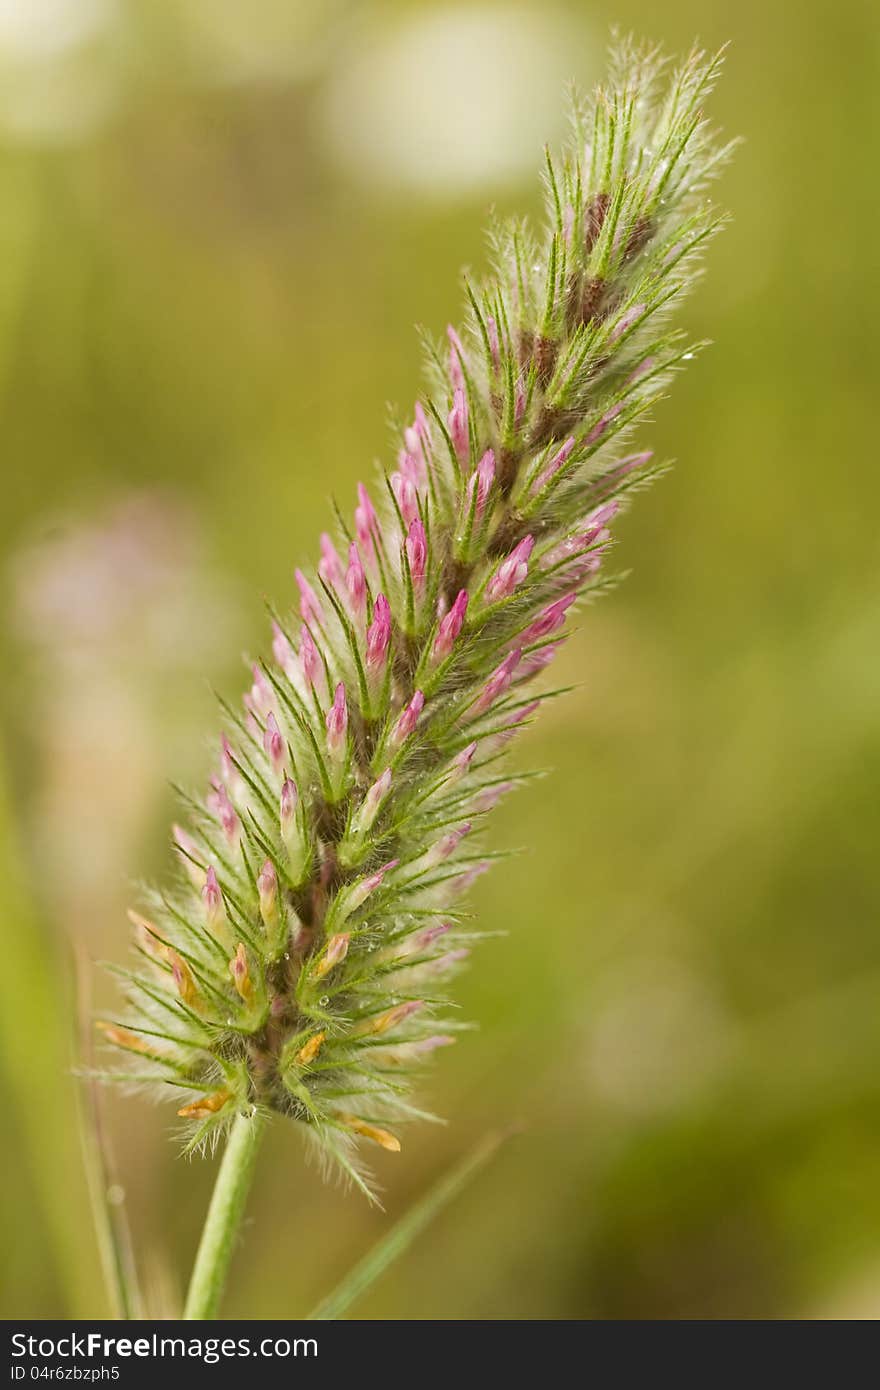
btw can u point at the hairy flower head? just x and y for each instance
(300, 964)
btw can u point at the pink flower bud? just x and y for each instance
(190, 855)
(588, 540)
(261, 692)
(369, 808)
(215, 908)
(535, 662)
(457, 421)
(412, 468)
(238, 969)
(585, 566)
(550, 621)
(218, 802)
(626, 321)
(456, 357)
(552, 468)
(470, 876)
(309, 659)
(229, 821)
(404, 489)
(283, 651)
(450, 627)
(334, 954)
(480, 485)
(309, 603)
(602, 424)
(356, 584)
(416, 438)
(444, 963)
(462, 761)
(426, 938)
(602, 515)
(450, 842)
(358, 893)
(407, 720)
(231, 775)
(379, 635)
(417, 554)
(330, 566)
(430, 1044)
(337, 724)
(511, 572)
(366, 522)
(608, 481)
(447, 846)
(523, 714)
(489, 797)
(292, 833)
(519, 401)
(273, 743)
(498, 682)
(267, 887)
(382, 1023)
(375, 880)
(289, 800)
(638, 372)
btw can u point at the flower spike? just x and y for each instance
(302, 963)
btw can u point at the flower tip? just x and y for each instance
(383, 1137)
(238, 969)
(451, 625)
(267, 879)
(330, 565)
(379, 634)
(457, 422)
(337, 721)
(436, 1040)
(205, 1106)
(309, 1051)
(289, 799)
(310, 607)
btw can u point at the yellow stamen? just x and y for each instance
(309, 1051)
(186, 985)
(337, 949)
(238, 969)
(121, 1037)
(148, 936)
(379, 1136)
(206, 1105)
(382, 1022)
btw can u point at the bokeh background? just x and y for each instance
(218, 224)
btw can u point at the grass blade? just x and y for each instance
(408, 1228)
(106, 1196)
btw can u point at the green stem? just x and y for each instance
(223, 1219)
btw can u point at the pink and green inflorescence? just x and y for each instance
(301, 962)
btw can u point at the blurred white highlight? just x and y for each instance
(453, 99)
(36, 30)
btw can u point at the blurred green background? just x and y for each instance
(218, 224)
